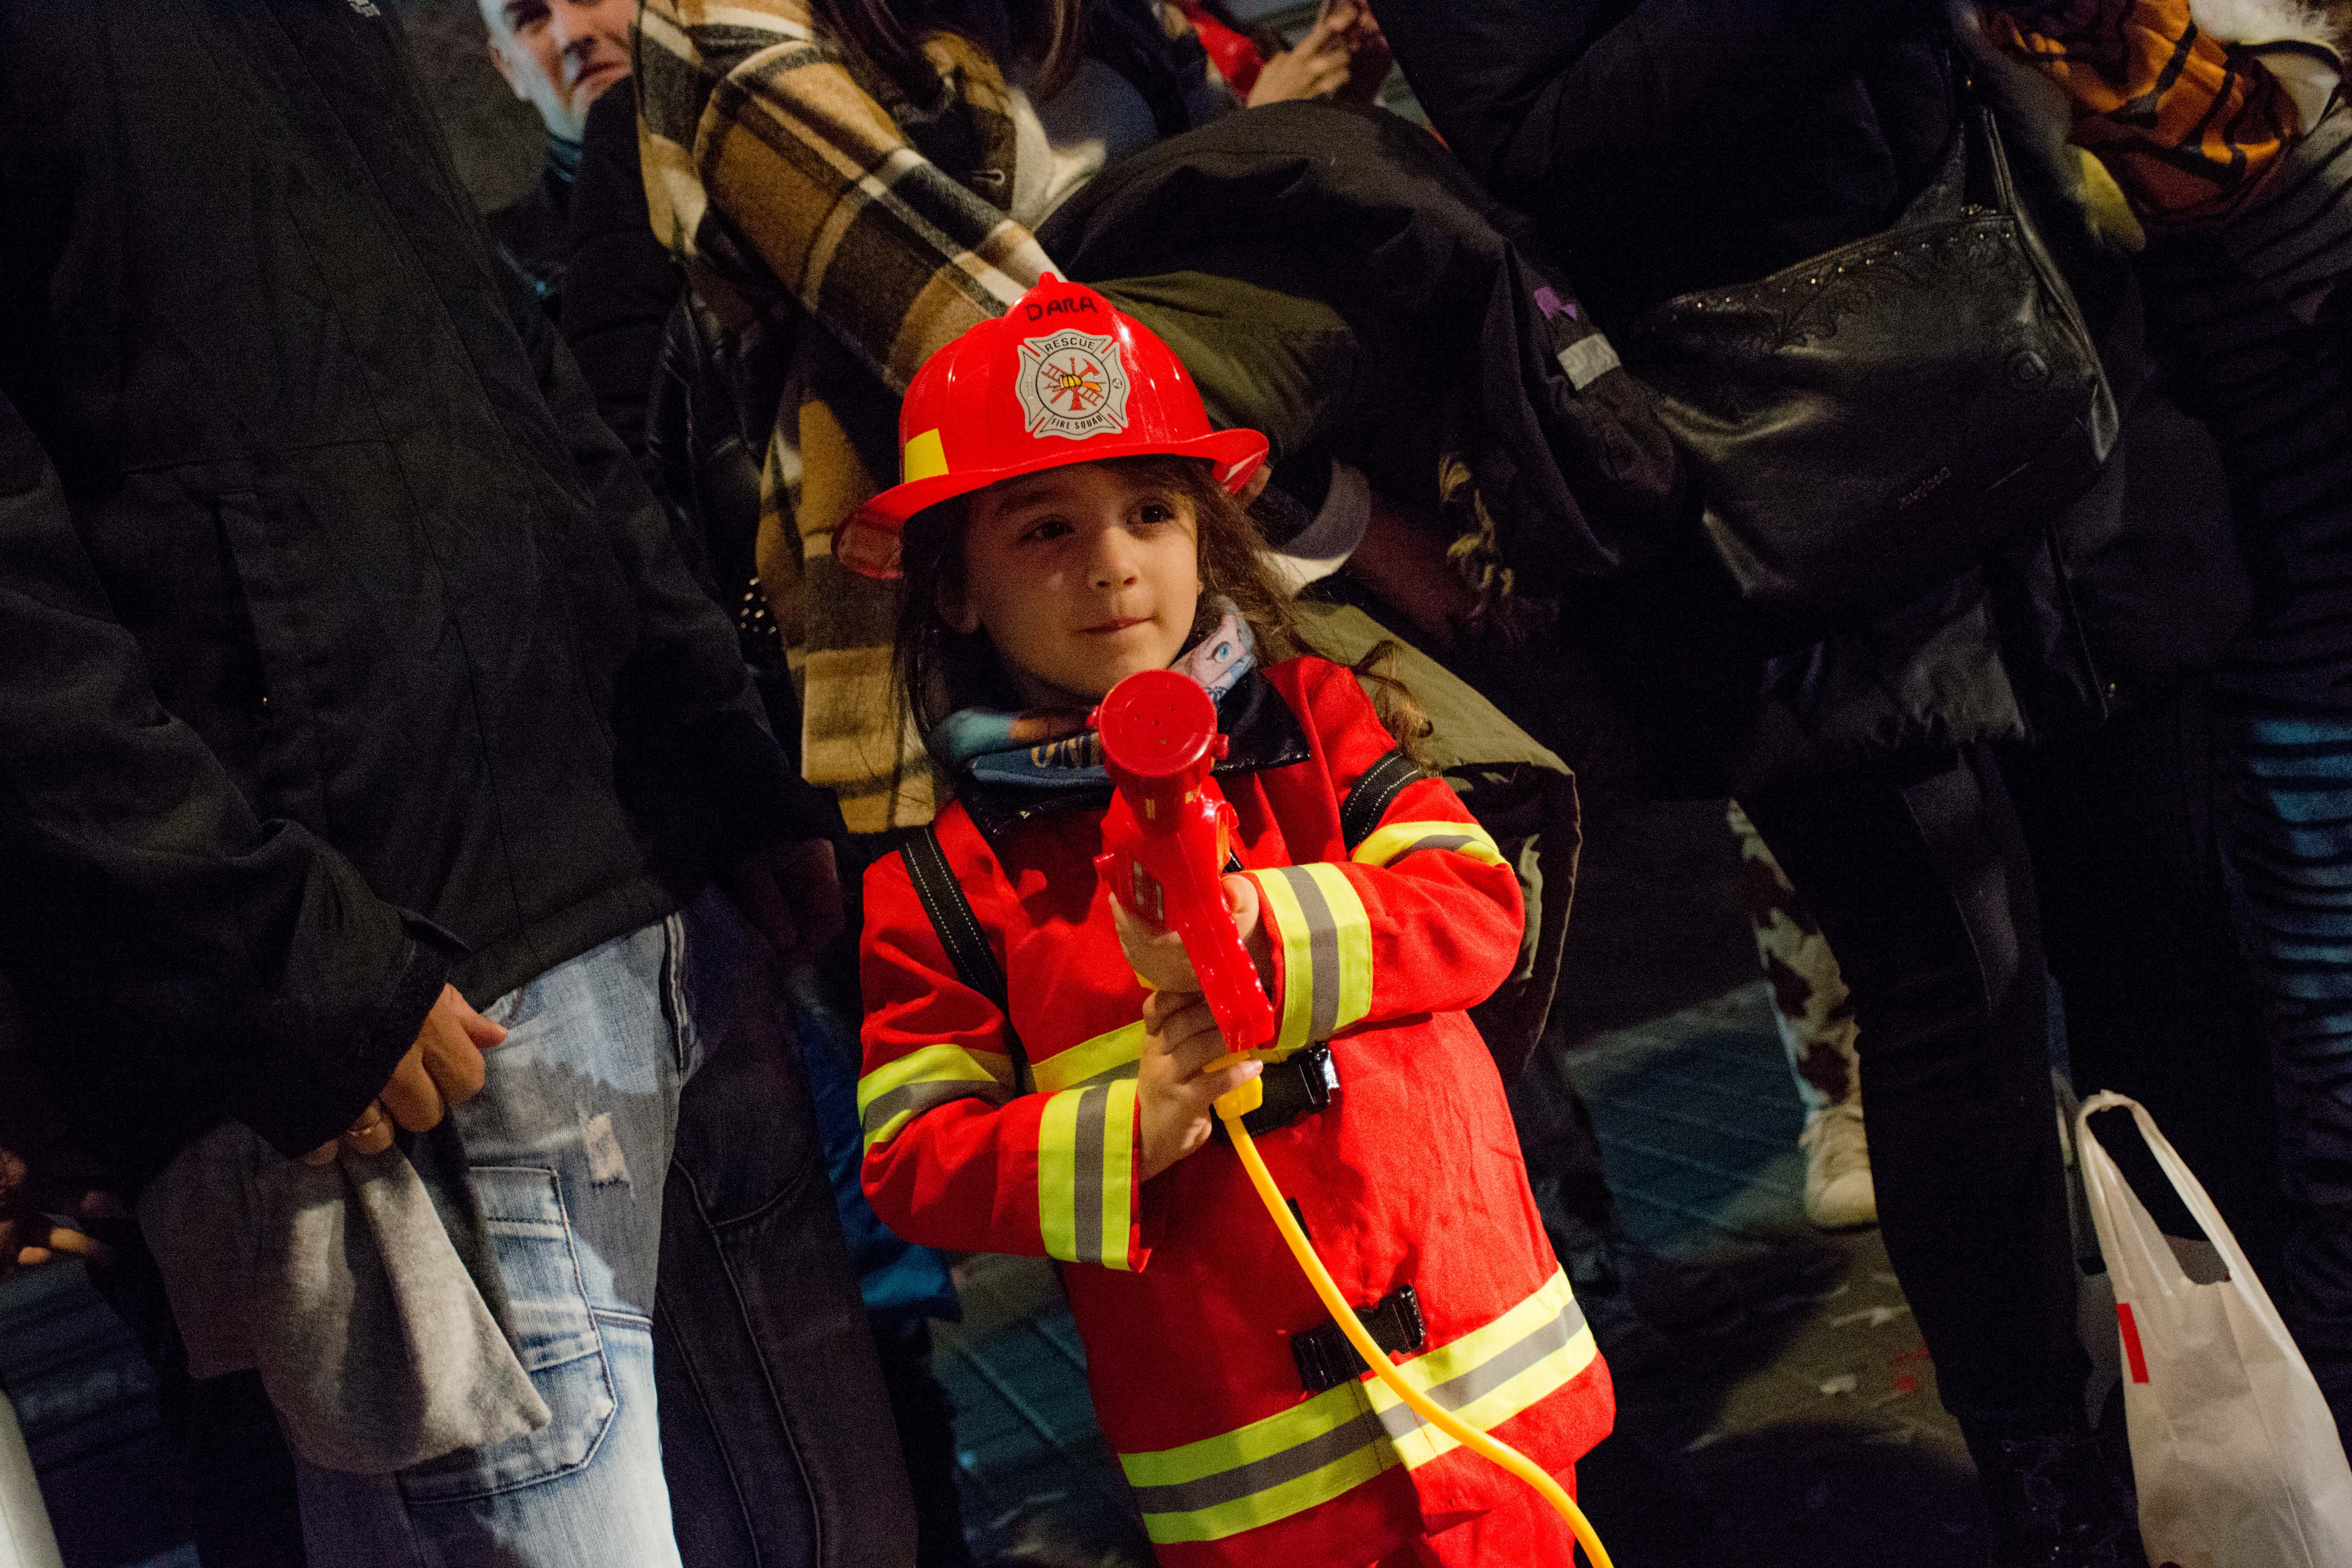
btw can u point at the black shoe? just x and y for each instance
(1643, 1307)
(1726, 1296)
(2055, 1503)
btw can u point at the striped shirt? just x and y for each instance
(2242, 308)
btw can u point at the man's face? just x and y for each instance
(558, 55)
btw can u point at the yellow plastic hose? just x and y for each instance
(1231, 1107)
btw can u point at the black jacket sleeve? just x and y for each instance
(619, 282)
(1535, 94)
(153, 924)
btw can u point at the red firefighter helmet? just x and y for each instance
(1060, 378)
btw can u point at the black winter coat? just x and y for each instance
(341, 649)
(1667, 145)
(1664, 146)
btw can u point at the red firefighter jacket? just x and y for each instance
(1181, 1288)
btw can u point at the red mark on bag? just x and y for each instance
(2131, 1343)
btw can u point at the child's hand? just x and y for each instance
(1179, 1101)
(1157, 954)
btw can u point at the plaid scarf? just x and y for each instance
(795, 182)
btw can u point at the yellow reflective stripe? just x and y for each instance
(1399, 839)
(1085, 1173)
(1351, 1468)
(924, 458)
(1491, 1374)
(1297, 1458)
(1352, 929)
(1057, 1150)
(1455, 1357)
(1297, 1000)
(1118, 1173)
(1289, 1462)
(1109, 1056)
(897, 1091)
(1275, 1434)
(1533, 1384)
(1326, 951)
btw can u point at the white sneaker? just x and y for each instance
(1838, 1192)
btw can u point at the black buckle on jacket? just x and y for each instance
(1298, 1085)
(1326, 1358)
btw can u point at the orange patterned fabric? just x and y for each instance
(2185, 125)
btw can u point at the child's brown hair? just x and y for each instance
(942, 671)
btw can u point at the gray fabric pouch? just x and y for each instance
(340, 1285)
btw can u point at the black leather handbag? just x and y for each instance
(1866, 425)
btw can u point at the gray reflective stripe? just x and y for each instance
(1491, 1374)
(1435, 841)
(1086, 1180)
(1111, 1075)
(1259, 1475)
(1322, 952)
(921, 1097)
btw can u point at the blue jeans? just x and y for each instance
(569, 1145)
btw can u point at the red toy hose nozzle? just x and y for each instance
(1168, 836)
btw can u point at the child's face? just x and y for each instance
(1082, 576)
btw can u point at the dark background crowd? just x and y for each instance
(2064, 794)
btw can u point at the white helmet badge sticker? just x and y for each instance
(1072, 385)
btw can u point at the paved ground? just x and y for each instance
(1819, 1442)
(86, 1399)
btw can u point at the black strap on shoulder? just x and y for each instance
(1369, 800)
(960, 933)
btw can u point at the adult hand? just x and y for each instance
(442, 1068)
(1157, 952)
(791, 892)
(1315, 67)
(1178, 1096)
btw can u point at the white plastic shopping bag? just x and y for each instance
(2234, 1451)
(25, 1538)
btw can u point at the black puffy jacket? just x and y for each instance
(341, 649)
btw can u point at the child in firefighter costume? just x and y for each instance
(1036, 1075)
